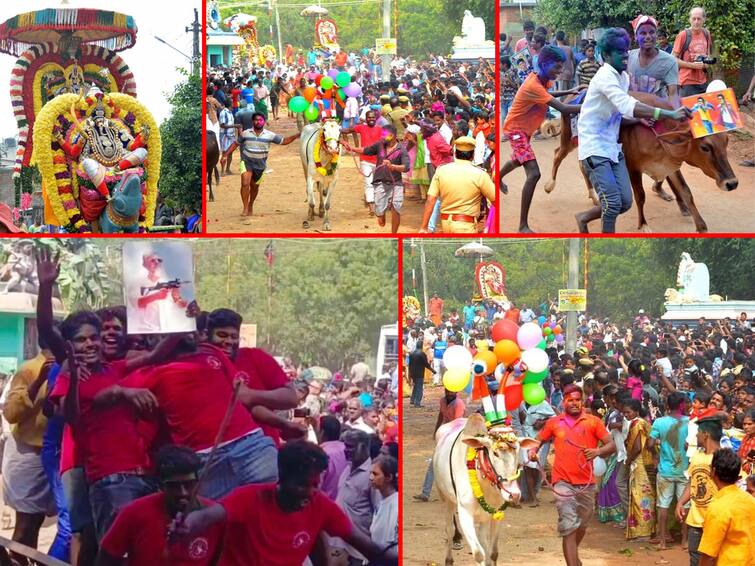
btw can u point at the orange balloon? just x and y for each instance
(489, 358)
(557, 329)
(507, 351)
(309, 94)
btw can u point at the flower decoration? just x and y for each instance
(497, 513)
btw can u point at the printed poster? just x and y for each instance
(713, 112)
(158, 283)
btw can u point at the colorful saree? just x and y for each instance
(641, 512)
(609, 501)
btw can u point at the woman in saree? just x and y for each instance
(416, 180)
(610, 508)
(641, 508)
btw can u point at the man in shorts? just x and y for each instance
(526, 114)
(369, 133)
(255, 145)
(392, 161)
(575, 436)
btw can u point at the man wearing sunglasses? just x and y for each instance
(139, 530)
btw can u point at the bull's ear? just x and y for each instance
(475, 426)
(478, 441)
(527, 443)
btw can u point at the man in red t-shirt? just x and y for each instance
(139, 530)
(269, 388)
(575, 436)
(280, 524)
(341, 60)
(369, 133)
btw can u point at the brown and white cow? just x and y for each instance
(497, 467)
(660, 156)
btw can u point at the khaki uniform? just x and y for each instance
(396, 115)
(461, 186)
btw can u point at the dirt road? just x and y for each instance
(528, 535)
(281, 205)
(554, 212)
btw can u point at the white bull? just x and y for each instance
(497, 467)
(319, 152)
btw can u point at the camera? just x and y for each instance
(706, 60)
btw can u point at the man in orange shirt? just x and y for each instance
(575, 436)
(691, 48)
(341, 60)
(435, 309)
(526, 114)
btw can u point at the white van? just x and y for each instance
(387, 351)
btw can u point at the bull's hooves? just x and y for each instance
(685, 212)
(326, 228)
(549, 186)
(647, 229)
(305, 225)
(321, 213)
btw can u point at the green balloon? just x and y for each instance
(541, 344)
(326, 83)
(343, 78)
(532, 377)
(547, 331)
(298, 104)
(533, 393)
(311, 113)
(550, 338)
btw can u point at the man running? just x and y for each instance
(369, 133)
(255, 145)
(575, 436)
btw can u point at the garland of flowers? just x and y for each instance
(58, 176)
(332, 166)
(477, 490)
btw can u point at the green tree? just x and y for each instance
(181, 167)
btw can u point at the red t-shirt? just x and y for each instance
(194, 393)
(259, 370)
(570, 463)
(367, 137)
(263, 535)
(139, 531)
(107, 436)
(341, 59)
(235, 93)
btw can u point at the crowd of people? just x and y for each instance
(590, 82)
(670, 409)
(405, 126)
(188, 448)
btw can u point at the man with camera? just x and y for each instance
(692, 49)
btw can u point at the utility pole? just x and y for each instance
(196, 61)
(571, 316)
(386, 34)
(281, 55)
(424, 274)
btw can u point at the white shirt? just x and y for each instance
(384, 527)
(446, 132)
(351, 109)
(605, 103)
(665, 365)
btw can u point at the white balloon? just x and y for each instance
(457, 357)
(715, 86)
(599, 466)
(529, 335)
(535, 359)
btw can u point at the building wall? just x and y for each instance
(219, 55)
(511, 18)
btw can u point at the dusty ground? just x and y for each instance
(529, 535)
(281, 205)
(554, 212)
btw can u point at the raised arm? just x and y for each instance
(48, 269)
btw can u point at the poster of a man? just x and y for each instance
(158, 282)
(714, 112)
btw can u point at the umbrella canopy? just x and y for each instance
(314, 11)
(474, 249)
(239, 20)
(316, 373)
(103, 28)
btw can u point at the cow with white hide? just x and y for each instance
(320, 151)
(495, 459)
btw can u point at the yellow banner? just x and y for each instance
(572, 300)
(386, 46)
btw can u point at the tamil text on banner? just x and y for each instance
(713, 112)
(386, 46)
(572, 300)
(158, 284)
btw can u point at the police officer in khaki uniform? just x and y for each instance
(460, 186)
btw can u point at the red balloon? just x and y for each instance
(514, 396)
(512, 314)
(504, 330)
(318, 78)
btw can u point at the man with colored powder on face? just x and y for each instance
(526, 114)
(369, 133)
(607, 101)
(255, 145)
(576, 435)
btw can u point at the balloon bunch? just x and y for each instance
(329, 90)
(509, 373)
(552, 332)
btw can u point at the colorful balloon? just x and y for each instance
(343, 78)
(599, 466)
(536, 360)
(560, 339)
(557, 329)
(309, 94)
(455, 379)
(513, 396)
(318, 80)
(547, 331)
(297, 104)
(533, 393)
(541, 320)
(541, 344)
(489, 359)
(482, 345)
(550, 338)
(352, 89)
(507, 352)
(457, 357)
(535, 377)
(311, 113)
(529, 335)
(479, 367)
(504, 330)
(333, 73)
(326, 83)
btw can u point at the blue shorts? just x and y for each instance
(348, 123)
